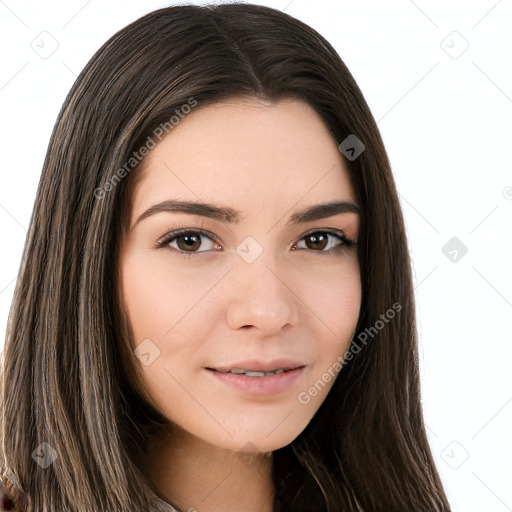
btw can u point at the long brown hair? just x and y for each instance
(69, 377)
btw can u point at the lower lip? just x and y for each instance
(270, 385)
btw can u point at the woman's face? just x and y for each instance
(263, 286)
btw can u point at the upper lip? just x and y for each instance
(258, 365)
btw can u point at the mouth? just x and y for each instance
(256, 373)
(258, 367)
(257, 381)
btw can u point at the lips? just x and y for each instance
(254, 365)
(259, 383)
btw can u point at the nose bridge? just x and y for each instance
(260, 295)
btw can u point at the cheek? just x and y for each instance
(164, 309)
(335, 302)
(158, 299)
(334, 298)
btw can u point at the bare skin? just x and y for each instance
(216, 478)
(200, 304)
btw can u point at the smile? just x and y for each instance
(258, 382)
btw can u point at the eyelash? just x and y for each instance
(169, 237)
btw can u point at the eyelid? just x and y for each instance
(164, 240)
(171, 235)
(331, 231)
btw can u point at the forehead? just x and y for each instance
(246, 153)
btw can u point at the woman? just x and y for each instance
(215, 308)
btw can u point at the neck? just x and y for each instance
(197, 476)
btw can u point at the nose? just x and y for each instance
(260, 297)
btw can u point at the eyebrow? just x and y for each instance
(229, 215)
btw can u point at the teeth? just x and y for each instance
(249, 373)
(236, 370)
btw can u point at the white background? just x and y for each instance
(445, 113)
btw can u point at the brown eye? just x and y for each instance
(318, 241)
(324, 242)
(188, 241)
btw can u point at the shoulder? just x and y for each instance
(10, 498)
